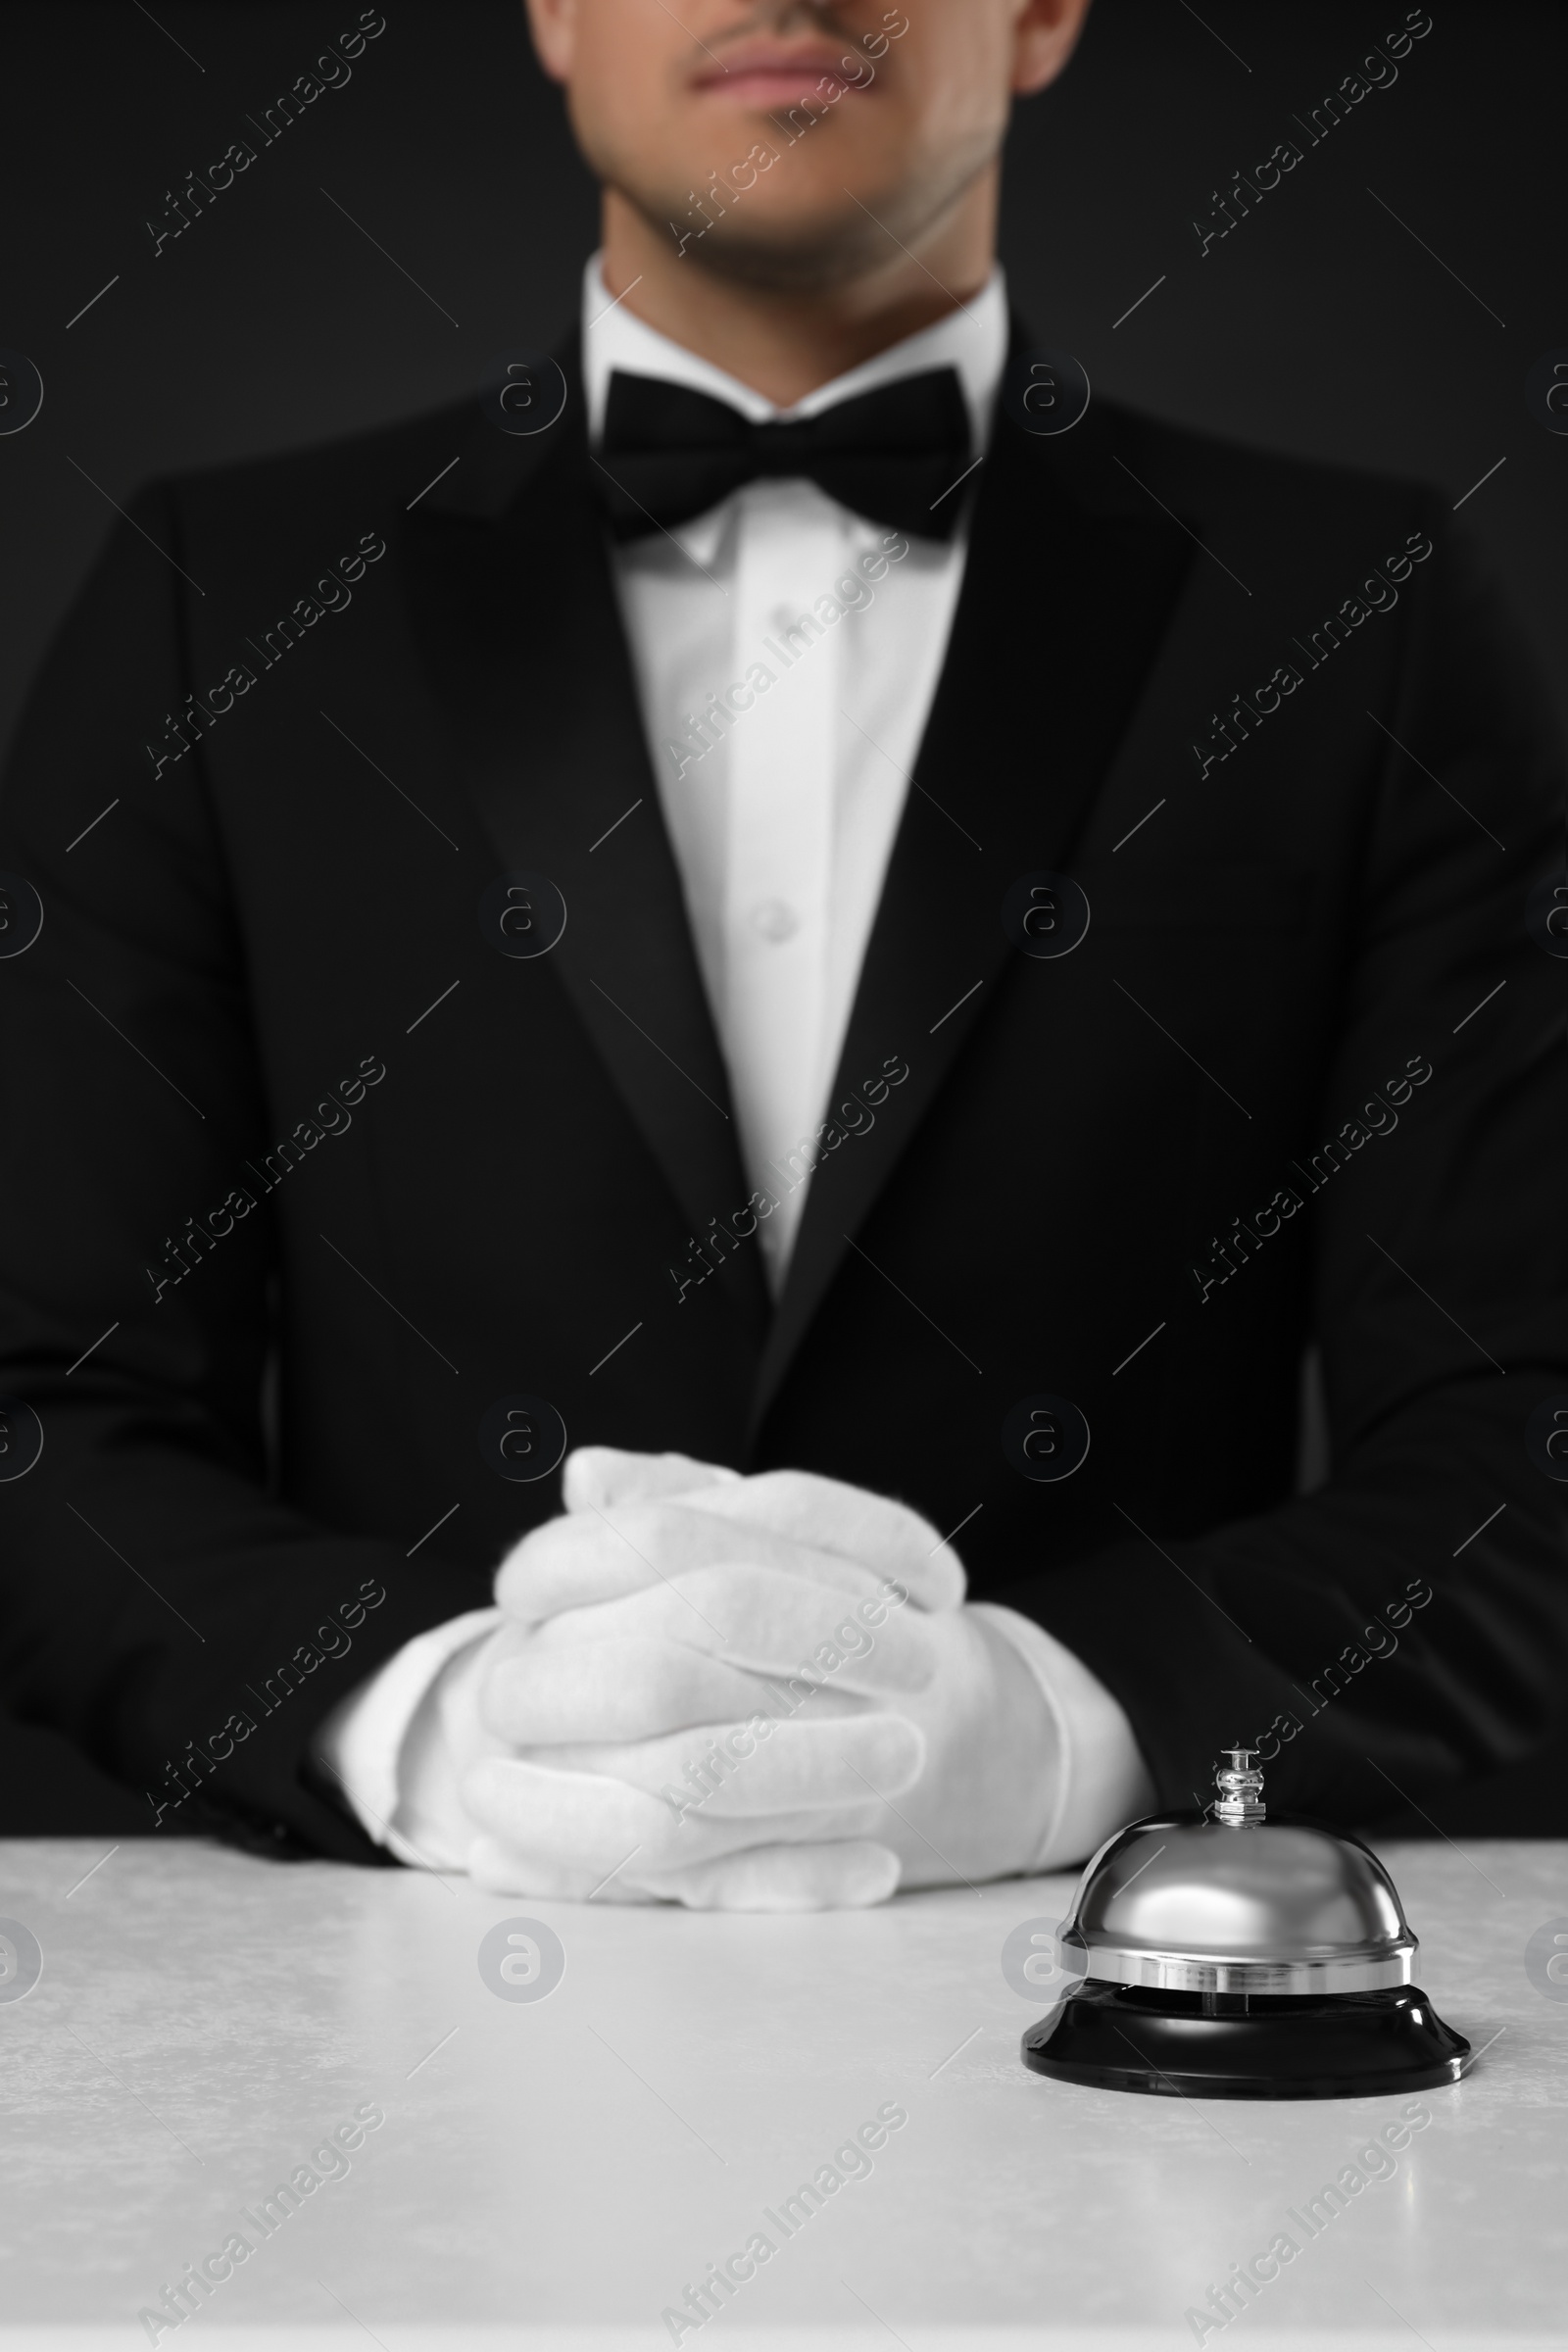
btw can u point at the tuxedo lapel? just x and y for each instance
(516, 609)
(1068, 588)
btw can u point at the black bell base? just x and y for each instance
(1196, 2045)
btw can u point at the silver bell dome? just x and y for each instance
(1236, 1903)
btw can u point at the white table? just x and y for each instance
(554, 2172)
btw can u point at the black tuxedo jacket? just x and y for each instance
(276, 1078)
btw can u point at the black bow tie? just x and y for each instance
(894, 454)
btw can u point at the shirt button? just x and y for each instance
(775, 920)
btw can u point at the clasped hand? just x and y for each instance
(742, 1694)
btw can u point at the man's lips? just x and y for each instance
(775, 76)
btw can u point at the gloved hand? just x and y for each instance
(758, 1693)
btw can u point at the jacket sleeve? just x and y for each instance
(1406, 1624)
(159, 1603)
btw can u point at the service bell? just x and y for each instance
(1223, 1956)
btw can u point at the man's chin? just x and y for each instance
(814, 254)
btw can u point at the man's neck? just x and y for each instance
(785, 344)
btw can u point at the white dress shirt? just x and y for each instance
(782, 830)
(781, 811)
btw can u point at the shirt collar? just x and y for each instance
(973, 340)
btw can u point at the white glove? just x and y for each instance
(860, 1728)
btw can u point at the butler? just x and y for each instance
(861, 1129)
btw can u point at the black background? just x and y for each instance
(1320, 326)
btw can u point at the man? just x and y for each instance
(871, 981)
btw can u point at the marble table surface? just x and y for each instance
(558, 2163)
